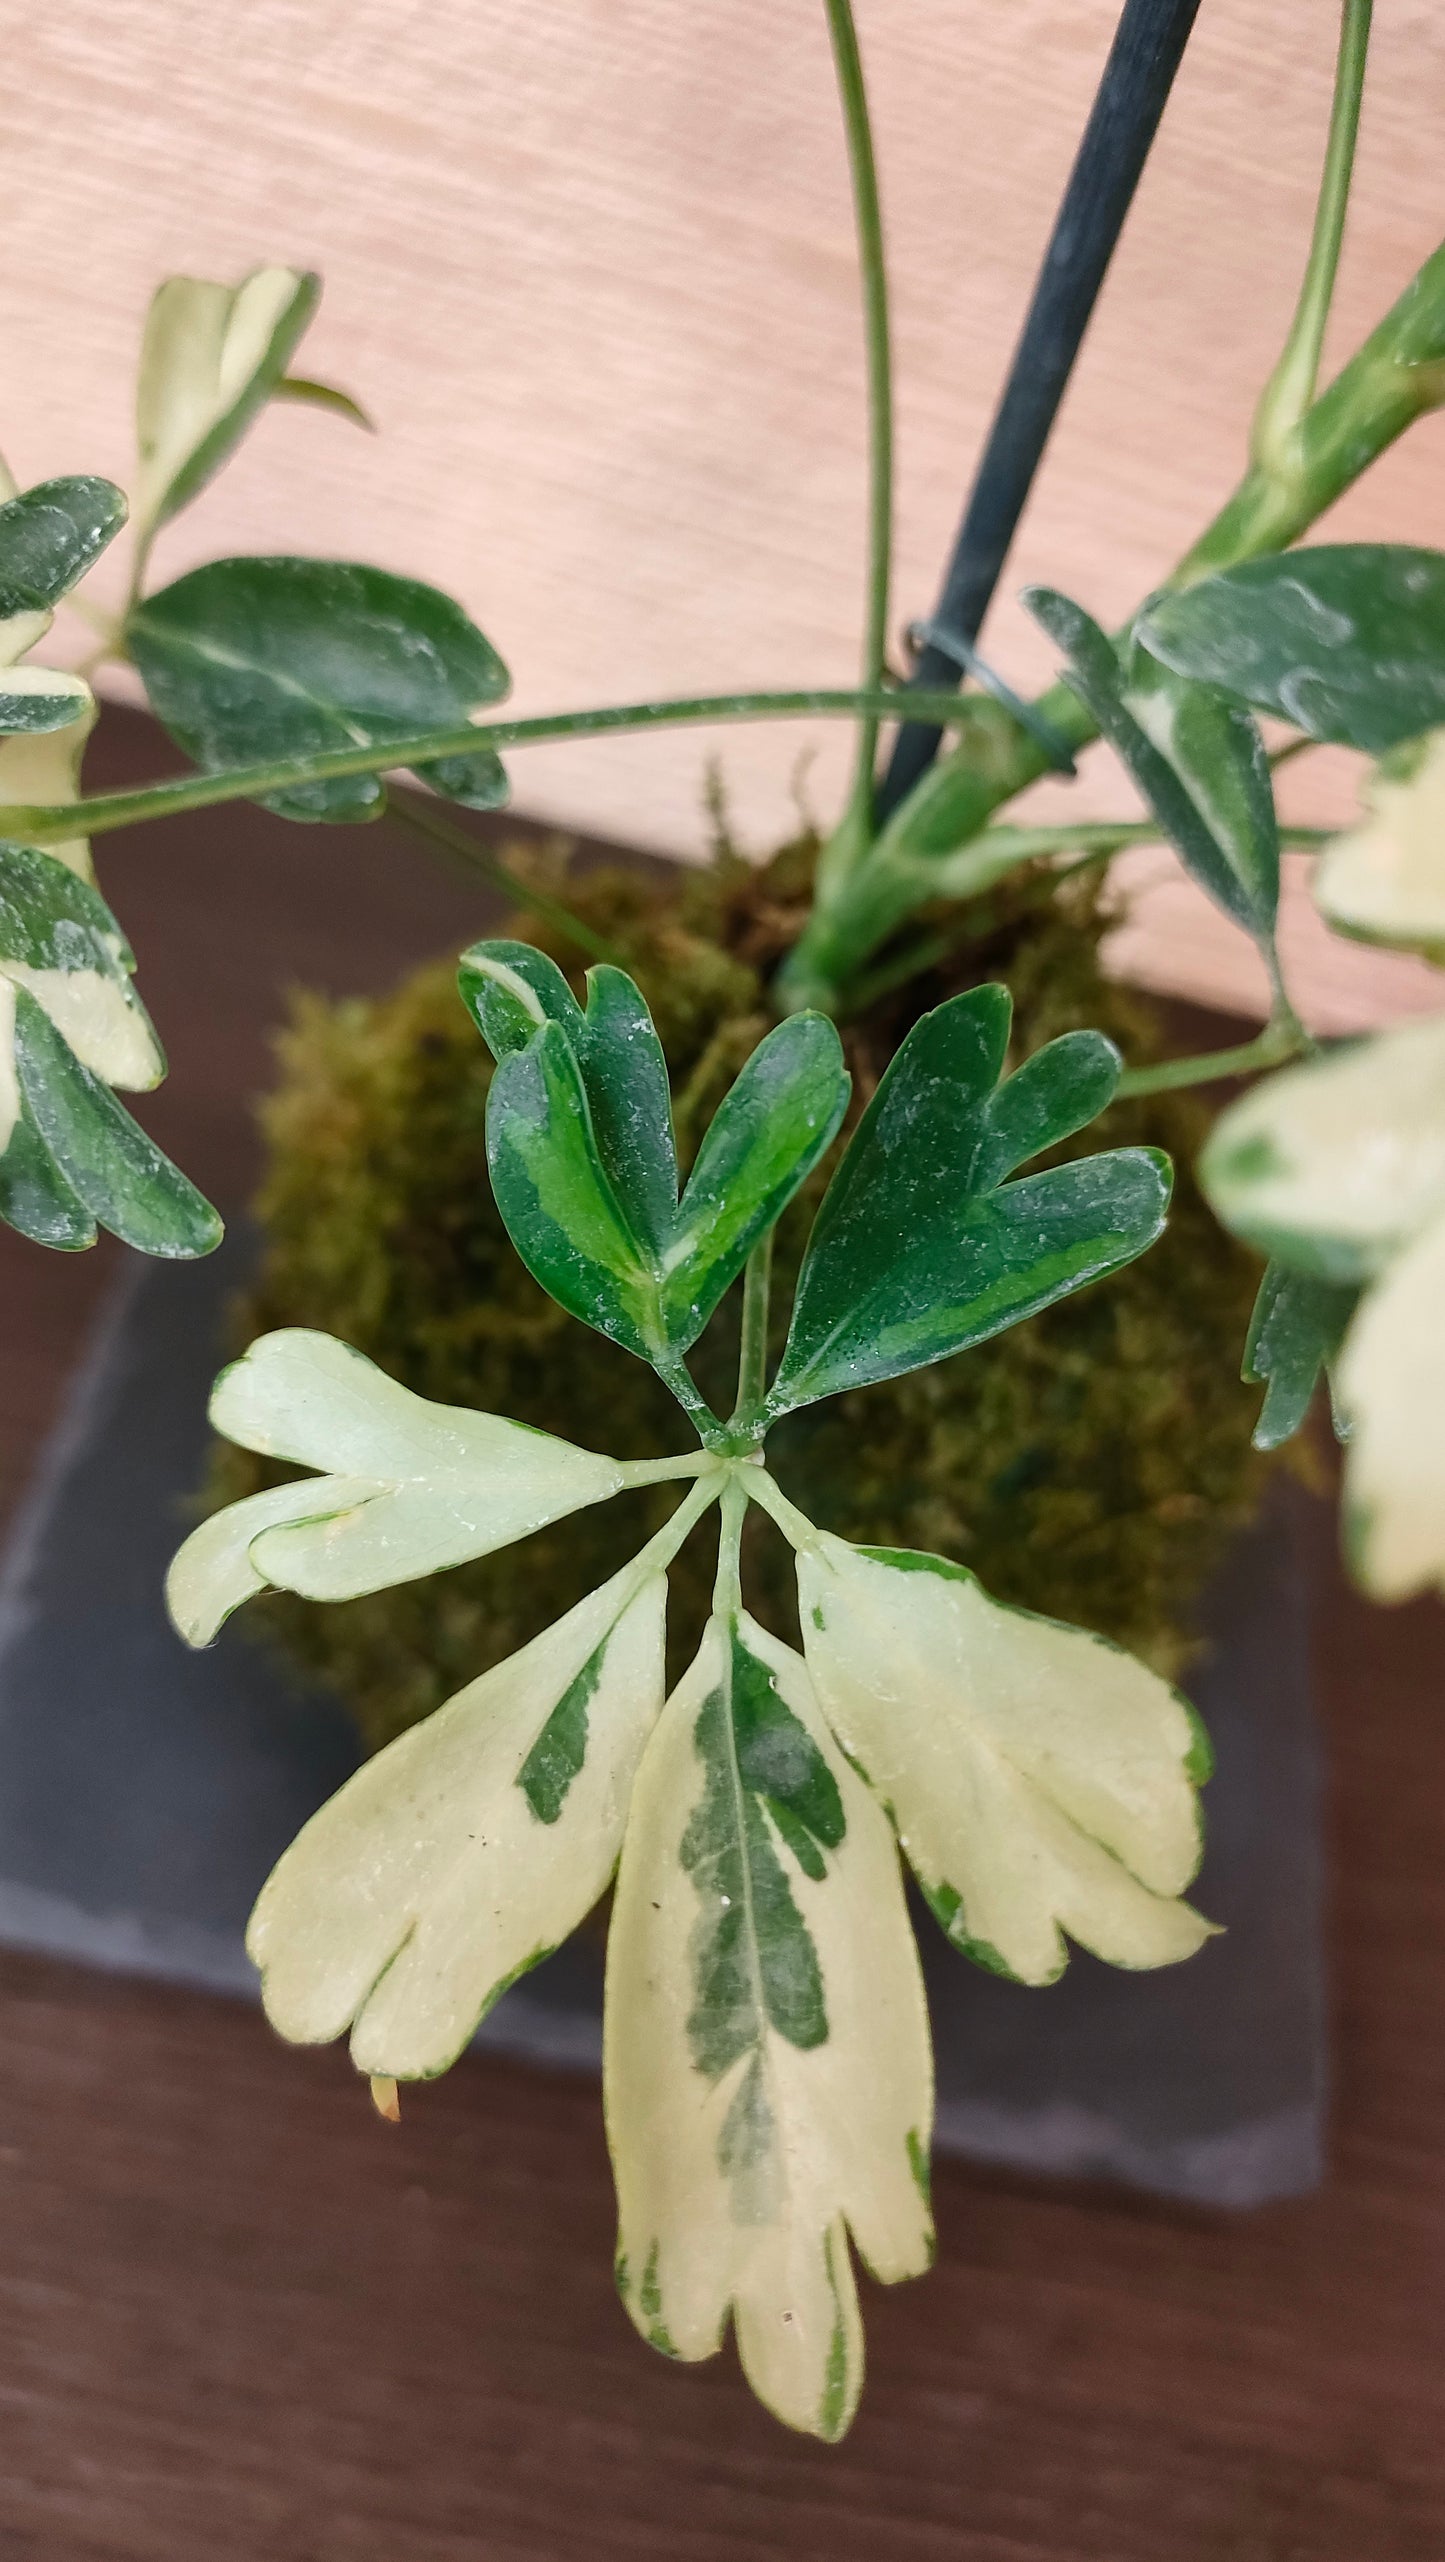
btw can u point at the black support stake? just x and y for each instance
(1147, 49)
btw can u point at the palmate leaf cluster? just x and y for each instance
(768, 2080)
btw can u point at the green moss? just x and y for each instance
(1091, 1464)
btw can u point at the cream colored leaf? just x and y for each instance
(1334, 1165)
(1391, 1386)
(1384, 882)
(19, 632)
(448, 1484)
(39, 700)
(40, 771)
(767, 2076)
(1041, 1780)
(470, 1847)
(212, 1573)
(210, 355)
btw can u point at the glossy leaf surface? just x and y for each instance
(1384, 881)
(256, 658)
(1391, 1383)
(1042, 1781)
(117, 1173)
(49, 537)
(1199, 763)
(1294, 1334)
(36, 700)
(580, 1143)
(1346, 640)
(211, 356)
(411, 1486)
(1334, 1165)
(767, 2075)
(435, 1878)
(59, 939)
(921, 1247)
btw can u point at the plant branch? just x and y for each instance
(105, 811)
(1282, 1038)
(1291, 387)
(874, 278)
(412, 809)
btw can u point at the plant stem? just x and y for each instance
(1397, 376)
(753, 1355)
(1291, 387)
(106, 811)
(873, 274)
(1282, 1038)
(727, 1595)
(711, 1431)
(413, 810)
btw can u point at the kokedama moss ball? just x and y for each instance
(1090, 1464)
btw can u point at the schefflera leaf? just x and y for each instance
(1197, 758)
(211, 356)
(59, 939)
(410, 1486)
(471, 1847)
(767, 2072)
(39, 769)
(1294, 1336)
(49, 537)
(1334, 1165)
(921, 1246)
(1042, 1781)
(1345, 640)
(1391, 1384)
(1384, 881)
(258, 658)
(583, 1163)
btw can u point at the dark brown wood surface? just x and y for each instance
(241, 2320)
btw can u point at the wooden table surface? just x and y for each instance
(242, 2319)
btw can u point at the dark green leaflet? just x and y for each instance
(920, 1247)
(1346, 640)
(1209, 787)
(1296, 1329)
(254, 658)
(31, 715)
(49, 537)
(34, 1195)
(754, 1964)
(561, 1748)
(107, 1161)
(583, 1159)
(479, 782)
(51, 920)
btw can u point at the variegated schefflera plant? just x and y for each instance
(1335, 1168)
(768, 2076)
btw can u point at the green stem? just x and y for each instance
(795, 1526)
(423, 817)
(1281, 1039)
(711, 1431)
(727, 1596)
(106, 811)
(874, 277)
(753, 1355)
(1291, 387)
(1396, 377)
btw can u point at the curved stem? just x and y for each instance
(414, 810)
(1280, 1040)
(106, 811)
(711, 1431)
(874, 278)
(1291, 387)
(727, 1596)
